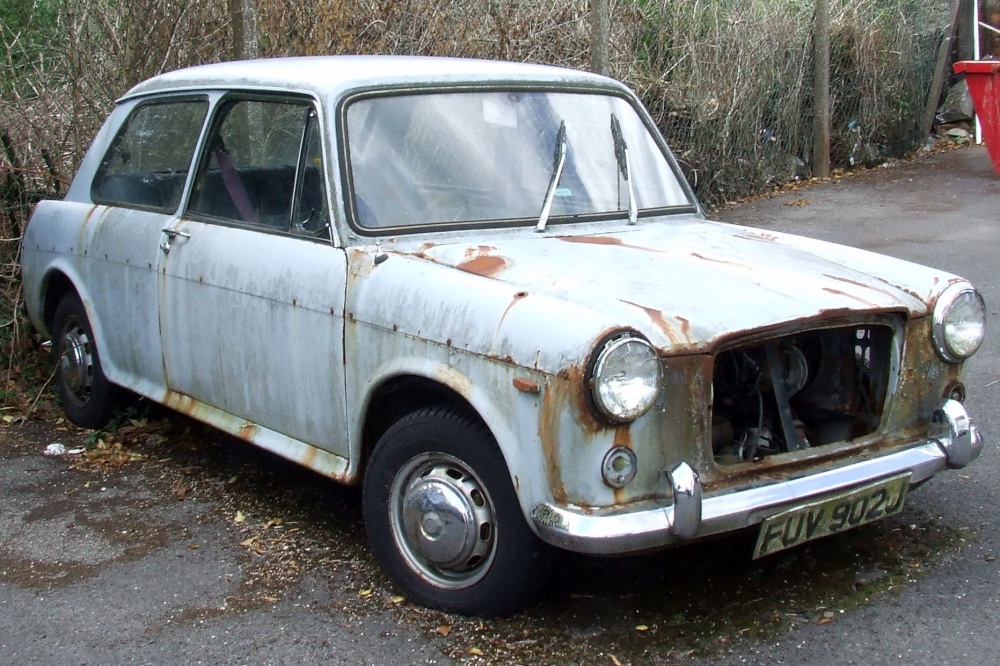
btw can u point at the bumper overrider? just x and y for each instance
(952, 442)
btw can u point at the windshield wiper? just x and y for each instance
(624, 166)
(558, 161)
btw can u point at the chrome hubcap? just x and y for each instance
(76, 365)
(443, 521)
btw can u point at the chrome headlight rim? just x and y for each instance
(607, 346)
(942, 309)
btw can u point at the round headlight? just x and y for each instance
(959, 322)
(626, 378)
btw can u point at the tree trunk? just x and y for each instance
(600, 37)
(821, 93)
(243, 16)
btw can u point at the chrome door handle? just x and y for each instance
(171, 234)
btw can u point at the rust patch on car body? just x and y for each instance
(838, 292)
(677, 337)
(517, 297)
(605, 240)
(247, 431)
(725, 262)
(859, 283)
(526, 385)
(590, 240)
(485, 265)
(473, 252)
(184, 404)
(553, 403)
(685, 326)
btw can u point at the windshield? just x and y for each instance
(479, 157)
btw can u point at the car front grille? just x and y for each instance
(799, 391)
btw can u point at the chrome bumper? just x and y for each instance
(952, 442)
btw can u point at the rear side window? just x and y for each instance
(148, 161)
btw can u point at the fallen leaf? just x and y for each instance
(476, 651)
(274, 522)
(239, 517)
(443, 630)
(614, 660)
(398, 599)
(366, 593)
(641, 627)
(193, 546)
(249, 542)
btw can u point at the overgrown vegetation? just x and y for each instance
(729, 81)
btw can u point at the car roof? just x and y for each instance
(328, 76)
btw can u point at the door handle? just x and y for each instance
(171, 234)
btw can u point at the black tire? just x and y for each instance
(88, 398)
(487, 563)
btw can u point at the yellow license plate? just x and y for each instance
(832, 515)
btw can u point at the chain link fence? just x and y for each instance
(729, 82)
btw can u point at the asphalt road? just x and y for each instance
(203, 551)
(942, 211)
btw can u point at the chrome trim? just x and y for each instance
(952, 442)
(955, 434)
(686, 511)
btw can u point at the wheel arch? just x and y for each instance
(55, 287)
(399, 395)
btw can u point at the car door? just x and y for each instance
(253, 301)
(137, 188)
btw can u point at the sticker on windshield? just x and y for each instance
(564, 192)
(499, 112)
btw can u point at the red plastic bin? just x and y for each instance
(983, 77)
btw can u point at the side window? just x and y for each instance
(148, 161)
(262, 167)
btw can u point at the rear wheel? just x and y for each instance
(88, 398)
(444, 521)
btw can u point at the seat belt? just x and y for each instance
(234, 185)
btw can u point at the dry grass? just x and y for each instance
(728, 82)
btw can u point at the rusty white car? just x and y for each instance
(484, 292)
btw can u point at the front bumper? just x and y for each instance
(952, 442)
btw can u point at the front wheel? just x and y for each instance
(444, 521)
(88, 398)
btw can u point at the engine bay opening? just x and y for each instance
(802, 391)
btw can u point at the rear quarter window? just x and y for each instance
(149, 159)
